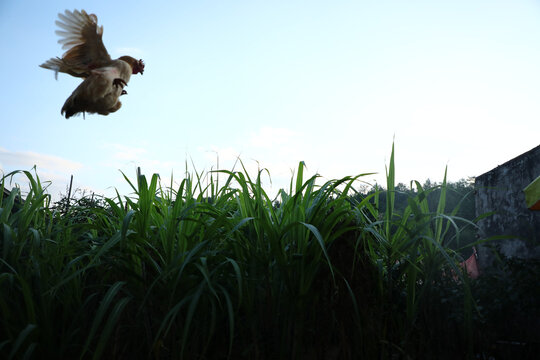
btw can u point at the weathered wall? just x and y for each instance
(501, 190)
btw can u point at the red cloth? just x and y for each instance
(471, 266)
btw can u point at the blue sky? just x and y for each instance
(331, 83)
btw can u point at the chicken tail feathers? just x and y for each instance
(54, 64)
(59, 65)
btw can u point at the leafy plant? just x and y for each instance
(204, 269)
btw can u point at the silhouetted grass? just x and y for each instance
(223, 271)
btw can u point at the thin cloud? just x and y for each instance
(127, 158)
(124, 153)
(53, 171)
(25, 160)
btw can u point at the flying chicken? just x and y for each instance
(86, 57)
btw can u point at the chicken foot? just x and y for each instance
(119, 82)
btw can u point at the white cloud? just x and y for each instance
(276, 149)
(27, 159)
(54, 172)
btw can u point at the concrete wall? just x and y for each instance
(501, 190)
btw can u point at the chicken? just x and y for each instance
(87, 58)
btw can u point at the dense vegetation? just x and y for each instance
(221, 271)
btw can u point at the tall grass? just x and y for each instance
(412, 254)
(215, 271)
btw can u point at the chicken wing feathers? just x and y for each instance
(82, 37)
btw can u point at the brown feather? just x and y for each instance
(98, 92)
(82, 37)
(87, 57)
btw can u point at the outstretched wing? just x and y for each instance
(82, 37)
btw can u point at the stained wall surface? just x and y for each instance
(501, 191)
